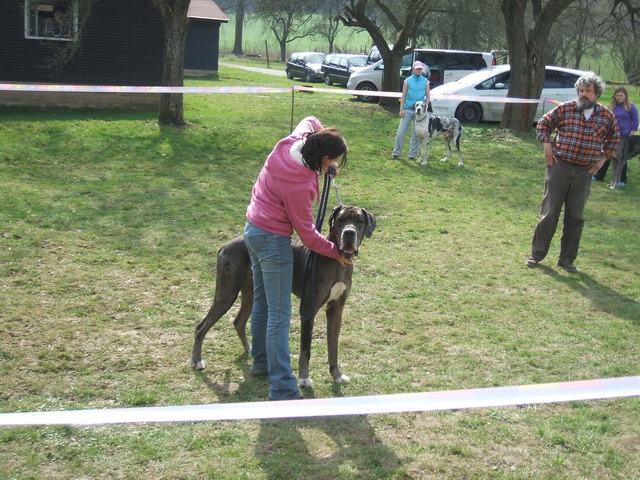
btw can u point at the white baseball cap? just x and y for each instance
(418, 64)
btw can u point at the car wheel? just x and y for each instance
(289, 75)
(327, 79)
(308, 78)
(469, 112)
(367, 87)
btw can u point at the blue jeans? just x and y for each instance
(272, 265)
(405, 122)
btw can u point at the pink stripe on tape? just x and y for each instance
(408, 402)
(22, 87)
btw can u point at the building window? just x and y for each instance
(50, 19)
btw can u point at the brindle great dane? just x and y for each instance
(348, 225)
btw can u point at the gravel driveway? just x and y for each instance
(268, 71)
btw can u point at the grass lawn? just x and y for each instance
(109, 227)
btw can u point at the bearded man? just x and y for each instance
(578, 136)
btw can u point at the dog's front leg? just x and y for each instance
(334, 324)
(424, 151)
(306, 331)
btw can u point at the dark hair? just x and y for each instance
(329, 142)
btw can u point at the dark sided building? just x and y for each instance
(203, 37)
(122, 43)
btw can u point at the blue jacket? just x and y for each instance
(416, 90)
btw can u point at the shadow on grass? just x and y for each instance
(309, 448)
(601, 296)
(323, 448)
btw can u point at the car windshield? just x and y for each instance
(317, 58)
(358, 61)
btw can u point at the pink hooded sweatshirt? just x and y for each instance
(282, 198)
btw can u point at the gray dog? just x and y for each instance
(427, 125)
(628, 148)
(348, 226)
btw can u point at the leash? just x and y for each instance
(311, 259)
(335, 186)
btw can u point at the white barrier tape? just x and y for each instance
(434, 96)
(479, 98)
(344, 91)
(409, 402)
(22, 87)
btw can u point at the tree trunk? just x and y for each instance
(176, 23)
(391, 79)
(237, 43)
(527, 57)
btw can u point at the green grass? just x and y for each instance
(108, 231)
(259, 40)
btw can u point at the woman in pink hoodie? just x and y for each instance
(281, 202)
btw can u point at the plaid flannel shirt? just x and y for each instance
(576, 140)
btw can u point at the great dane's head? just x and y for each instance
(421, 109)
(349, 225)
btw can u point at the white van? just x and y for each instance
(445, 66)
(450, 65)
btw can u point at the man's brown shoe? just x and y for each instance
(568, 266)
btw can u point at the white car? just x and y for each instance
(442, 66)
(493, 83)
(367, 79)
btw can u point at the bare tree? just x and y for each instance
(576, 33)
(405, 18)
(329, 25)
(619, 27)
(288, 20)
(466, 25)
(176, 23)
(239, 8)
(237, 42)
(527, 55)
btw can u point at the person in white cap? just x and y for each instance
(414, 89)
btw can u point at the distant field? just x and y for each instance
(351, 40)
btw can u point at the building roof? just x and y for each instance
(206, 10)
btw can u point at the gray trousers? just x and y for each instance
(568, 185)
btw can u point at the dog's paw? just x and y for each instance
(342, 379)
(197, 365)
(305, 382)
(423, 163)
(445, 159)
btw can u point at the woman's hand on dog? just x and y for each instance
(345, 261)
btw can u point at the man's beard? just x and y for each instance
(584, 104)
